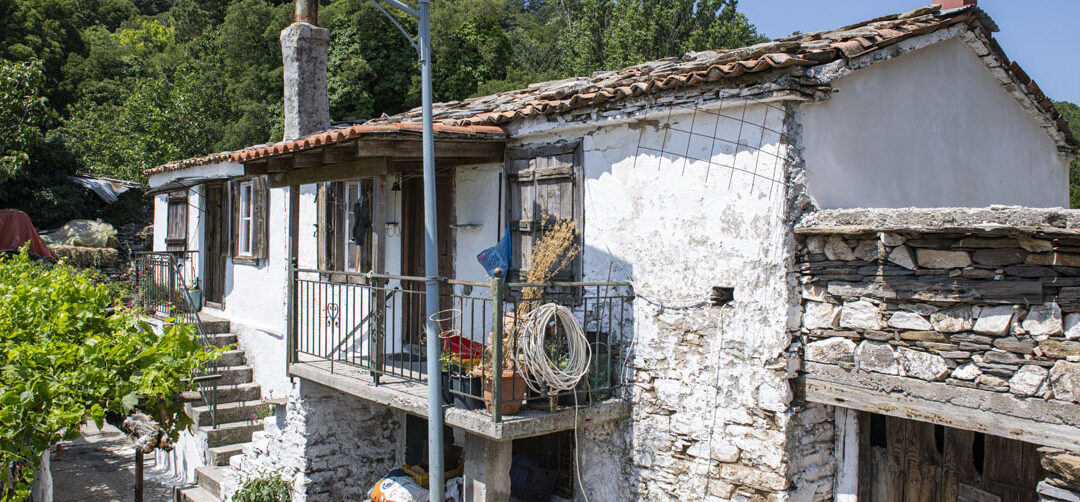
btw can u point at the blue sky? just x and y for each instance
(1040, 35)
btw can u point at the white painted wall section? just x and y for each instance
(932, 128)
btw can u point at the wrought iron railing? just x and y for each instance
(375, 323)
(163, 291)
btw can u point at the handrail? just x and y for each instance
(188, 313)
(371, 275)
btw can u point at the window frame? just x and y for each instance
(246, 219)
(176, 207)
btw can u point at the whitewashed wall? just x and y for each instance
(932, 128)
(712, 414)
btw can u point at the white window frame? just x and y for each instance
(247, 218)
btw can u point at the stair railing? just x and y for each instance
(156, 271)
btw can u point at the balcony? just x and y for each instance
(363, 334)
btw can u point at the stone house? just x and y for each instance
(763, 338)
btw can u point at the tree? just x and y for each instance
(1071, 112)
(70, 355)
(23, 113)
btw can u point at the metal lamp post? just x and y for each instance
(431, 257)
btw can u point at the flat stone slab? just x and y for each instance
(411, 397)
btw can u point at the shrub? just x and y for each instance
(265, 488)
(70, 353)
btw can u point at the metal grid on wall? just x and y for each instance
(752, 136)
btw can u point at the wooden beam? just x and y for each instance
(1031, 420)
(339, 153)
(412, 149)
(363, 168)
(279, 164)
(255, 167)
(311, 158)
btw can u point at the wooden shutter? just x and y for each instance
(260, 200)
(324, 221)
(176, 221)
(544, 179)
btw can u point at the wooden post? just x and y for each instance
(294, 244)
(378, 265)
(138, 475)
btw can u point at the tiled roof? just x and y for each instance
(336, 135)
(693, 69)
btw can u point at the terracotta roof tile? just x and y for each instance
(481, 116)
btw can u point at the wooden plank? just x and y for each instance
(900, 405)
(969, 493)
(364, 168)
(256, 167)
(339, 153)
(378, 264)
(958, 464)
(866, 459)
(526, 152)
(279, 164)
(413, 149)
(310, 158)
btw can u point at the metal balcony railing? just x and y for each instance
(375, 323)
(162, 290)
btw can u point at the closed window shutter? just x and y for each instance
(546, 184)
(176, 222)
(234, 218)
(261, 213)
(323, 226)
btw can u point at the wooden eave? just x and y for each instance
(370, 157)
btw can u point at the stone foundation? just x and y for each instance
(332, 446)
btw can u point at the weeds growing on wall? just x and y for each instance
(265, 488)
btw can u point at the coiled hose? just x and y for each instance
(538, 369)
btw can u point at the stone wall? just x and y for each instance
(332, 446)
(957, 299)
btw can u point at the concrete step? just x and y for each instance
(236, 411)
(213, 325)
(233, 393)
(230, 433)
(210, 478)
(194, 494)
(232, 375)
(220, 455)
(222, 339)
(233, 357)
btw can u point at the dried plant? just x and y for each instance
(553, 250)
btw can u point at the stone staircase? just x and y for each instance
(238, 398)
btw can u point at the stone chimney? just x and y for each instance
(303, 50)
(955, 4)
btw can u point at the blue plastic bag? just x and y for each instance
(497, 256)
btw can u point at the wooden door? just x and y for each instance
(216, 246)
(917, 461)
(412, 248)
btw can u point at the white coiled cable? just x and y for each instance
(537, 368)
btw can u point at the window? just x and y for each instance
(543, 180)
(246, 214)
(345, 225)
(176, 221)
(250, 210)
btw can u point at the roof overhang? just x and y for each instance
(183, 183)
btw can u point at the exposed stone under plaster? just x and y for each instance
(330, 445)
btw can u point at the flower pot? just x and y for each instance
(469, 385)
(444, 379)
(513, 392)
(194, 300)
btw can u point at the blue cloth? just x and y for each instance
(497, 256)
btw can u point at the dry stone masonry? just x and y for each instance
(986, 300)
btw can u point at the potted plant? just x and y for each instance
(459, 381)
